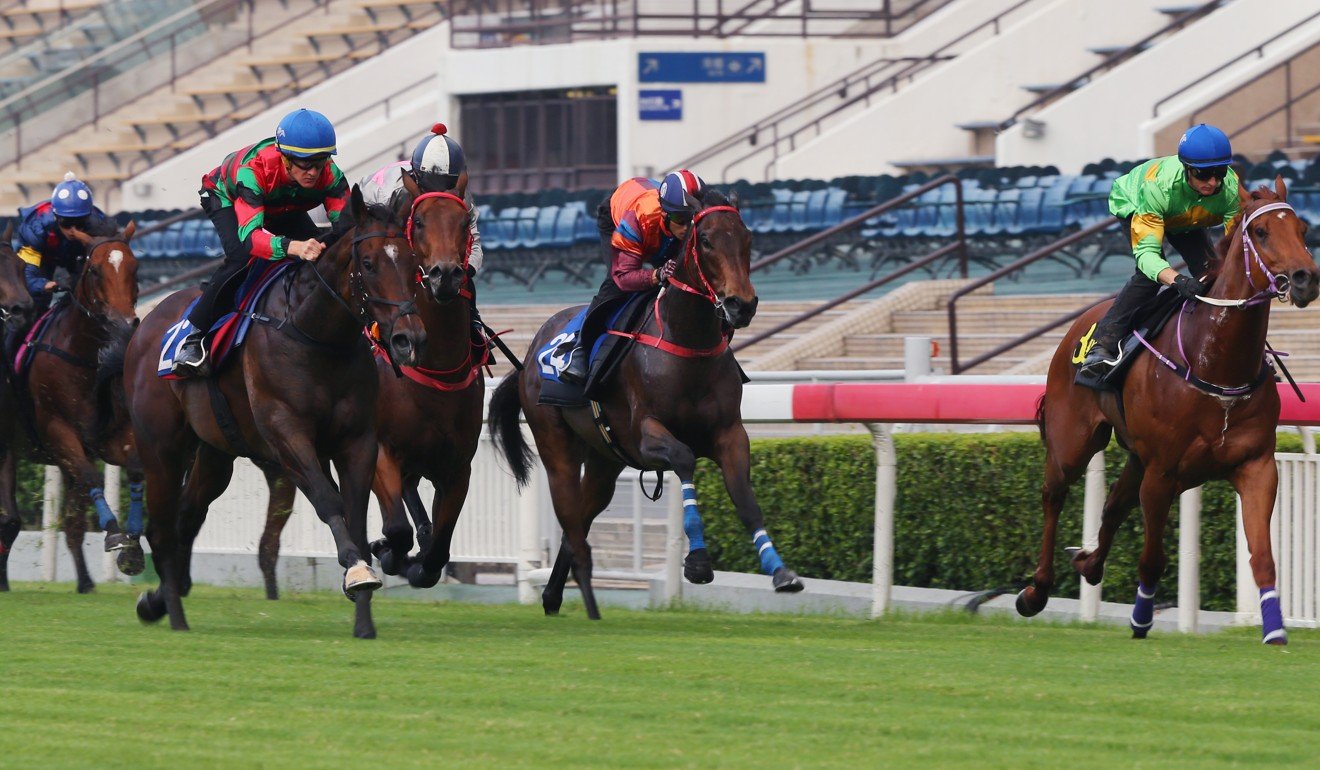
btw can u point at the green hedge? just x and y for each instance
(968, 515)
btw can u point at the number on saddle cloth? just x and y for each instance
(626, 315)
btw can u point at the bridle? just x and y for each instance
(100, 317)
(467, 249)
(1277, 285)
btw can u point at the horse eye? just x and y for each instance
(1261, 232)
(369, 266)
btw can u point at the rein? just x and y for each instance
(467, 249)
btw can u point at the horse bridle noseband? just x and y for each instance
(1277, 285)
(412, 216)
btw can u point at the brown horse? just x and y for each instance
(73, 415)
(1202, 407)
(301, 394)
(428, 423)
(16, 309)
(677, 396)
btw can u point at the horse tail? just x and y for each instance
(506, 430)
(1040, 416)
(109, 388)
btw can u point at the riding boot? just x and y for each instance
(578, 368)
(1117, 322)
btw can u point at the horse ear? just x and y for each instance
(1243, 197)
(733, 200)
(9, 231)
(1280, 188)
(409, 183)
(129, 229)
(460, 189)
(358, 205)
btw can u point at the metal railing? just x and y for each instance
(504, 23)
(959, 247)
(858, 86)
(1290, 99)
(955, 365)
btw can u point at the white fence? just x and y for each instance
(1294, 532)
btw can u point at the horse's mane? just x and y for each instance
(713, 197)
(1263, 194)
(100, 228)
(386, 215)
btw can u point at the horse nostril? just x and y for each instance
(1302, 277)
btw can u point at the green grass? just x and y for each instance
(282, 684)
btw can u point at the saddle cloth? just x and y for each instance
(226, 334)
(626, 314)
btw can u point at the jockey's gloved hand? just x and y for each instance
(666, 271)
(1188, 286)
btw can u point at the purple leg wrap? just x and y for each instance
(1143, 611)
(1271, 617)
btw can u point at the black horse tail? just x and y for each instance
(109, 387)
(1040, 416)
(506, 430)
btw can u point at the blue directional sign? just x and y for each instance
(700, 67)
(660, 104)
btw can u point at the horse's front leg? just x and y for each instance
(733, 454)
(451, 490)
(1257, 481)
(278, 510)
(121, 450)
(1157, 493)
(658, 447)
(387, 484)
(73, 517)
(355, 465)
(10, 522)
(85, 477)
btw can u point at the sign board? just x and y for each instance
(660, 104)
(700, 67)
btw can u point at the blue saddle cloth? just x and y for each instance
(228, 333)
(551, 359)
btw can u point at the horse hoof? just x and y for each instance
(131, 560)
(424, 537)
(1140, 633)
(697, 567)
(385, 555)
(86, 586)
(150, 607)
(1025, 607)
(418, 577)
(1279, 638)
(360, 577)
(369, 633)
(786, 581)
(115, 541)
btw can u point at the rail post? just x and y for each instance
(1092, 509)
(886, 491)
(52, 503)
(1189, 560)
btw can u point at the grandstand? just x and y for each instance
(848, 112)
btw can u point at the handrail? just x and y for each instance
(955, 366)
(1109, 63)
(841, 88)
(959, 246)
(1259, 51)
(1288, 101)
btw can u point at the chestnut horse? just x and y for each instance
(428, 423)
(302, 392)
(676, 396)
(16, 309)
(1202, 407)
(74, 417)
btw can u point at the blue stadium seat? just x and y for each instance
(834, 207)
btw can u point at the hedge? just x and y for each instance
(968, 515)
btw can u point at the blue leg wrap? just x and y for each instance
(1271, 616)
(691, 519)
(135, 509)
(103, 513)
(1143, 610)
(770, 560)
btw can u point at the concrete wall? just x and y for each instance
(1112, 116)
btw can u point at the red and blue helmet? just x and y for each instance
(437, 161)
(680, 193)
(1204, 146)
(305, 134)
(71, 199)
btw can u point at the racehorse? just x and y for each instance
(428, 423)
(300, 394)
(15, 308)
(72, 415)
(1203, 406)
(677, 396)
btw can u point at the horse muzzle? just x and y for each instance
(1303, 287)
(445, 281)
(18, 313)
(406, 347)
(738, 312)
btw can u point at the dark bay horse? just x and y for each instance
(70, 415)
(15, 308)
(302, 394)
(428, 422)
(1204, 408)
(676, 396)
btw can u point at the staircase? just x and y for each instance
(332, 36)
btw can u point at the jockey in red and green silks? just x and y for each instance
(258, 200)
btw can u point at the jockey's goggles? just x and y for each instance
(314, 163)
(681, 218)
(1206, 174)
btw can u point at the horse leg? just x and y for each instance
(85, 477)
(355, 466)
(1123, 495)
(563, 467)
(165, 465)
(451, 493)
(208, 479)
(1257, 481)
(278, 510)
(733, 454)
(73, 517)
(1068, 449)
(597, 489)
(10, 522)
(131, 560)
(387, 484)
(1157, 493)
(421, 519)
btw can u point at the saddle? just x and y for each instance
(626, 314)
(228, 333)
(1151, 319)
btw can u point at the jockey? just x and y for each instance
(437, 165)
(1178, 197)
(642, 228)
(258, 200)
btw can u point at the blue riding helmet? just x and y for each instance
(71, 199)
(438, 161)
(1204, 146)
(680, 192)
(305, 134)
